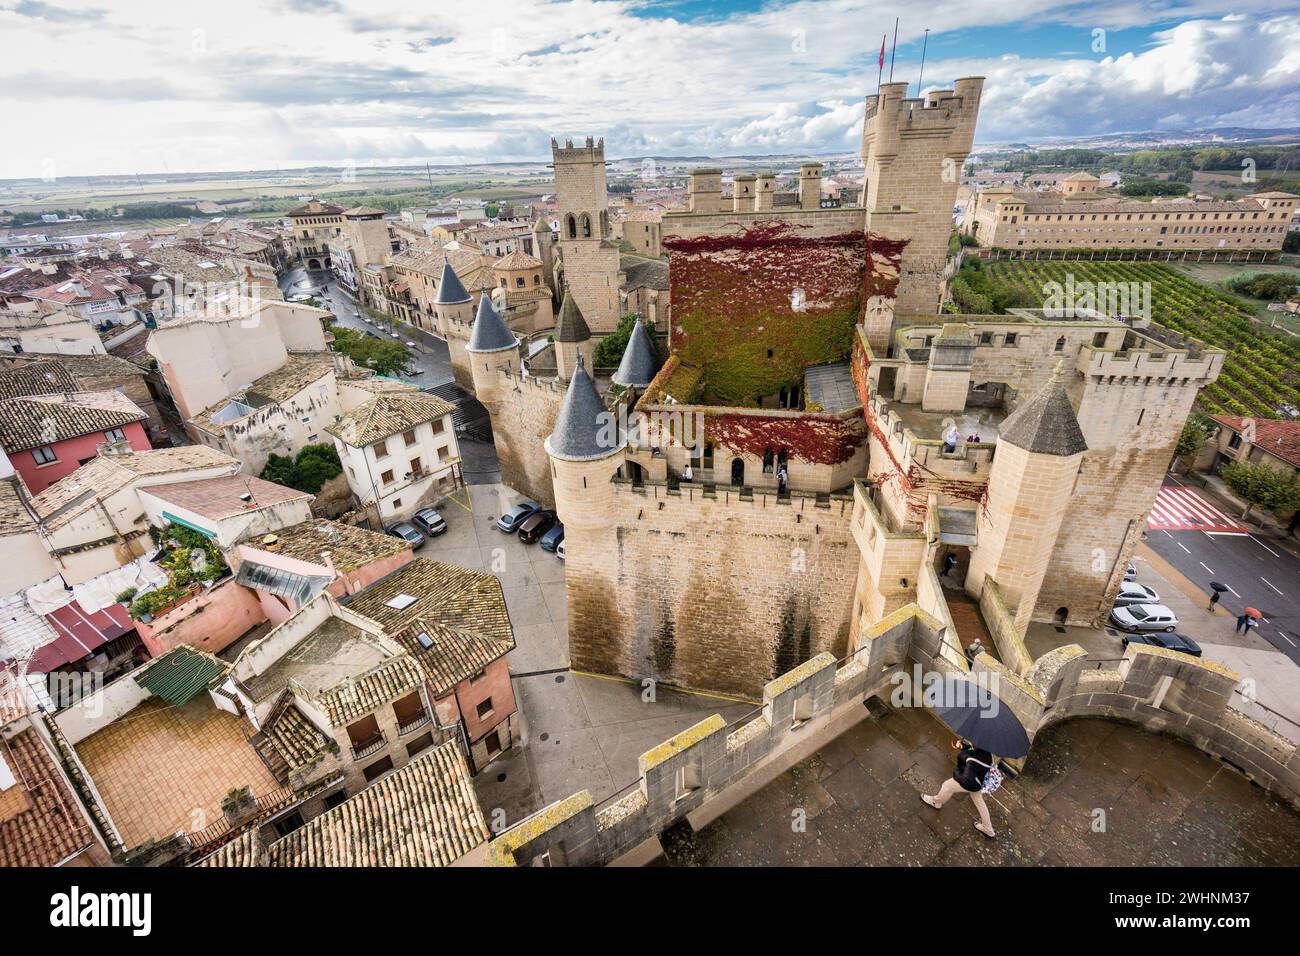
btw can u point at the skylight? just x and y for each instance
(401, 602)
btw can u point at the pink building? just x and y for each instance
(48, 437)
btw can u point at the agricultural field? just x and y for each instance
(1262, 371)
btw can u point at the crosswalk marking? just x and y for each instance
(1182, 509)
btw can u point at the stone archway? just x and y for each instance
(313, 264)
(738, 472)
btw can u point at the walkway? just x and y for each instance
(1094, 793)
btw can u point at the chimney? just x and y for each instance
(328, 558)
(271, 543)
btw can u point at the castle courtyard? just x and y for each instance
(1162, 803)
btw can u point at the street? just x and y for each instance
(1187, 531)
(430, 359)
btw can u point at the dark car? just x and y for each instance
(407, 532)
(1170, 642)
(512, 519)
(536, 525)
(553, 538)
(429, 521)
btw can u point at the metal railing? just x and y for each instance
(413, 724)
(366, 748)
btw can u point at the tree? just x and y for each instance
(1292, 241)
(1196, 430)
(1258, 484)
(610, 350)
(314, 465)
(383, 356)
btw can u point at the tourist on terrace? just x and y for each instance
(950, 439)
(973, 766)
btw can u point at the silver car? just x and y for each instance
(1130, 593)
(1144, 617)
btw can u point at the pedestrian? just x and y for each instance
(687, 474)
(949, 562)
(974, 650)
(1243, 622)
(977, 775)
(950, 439)
(781, 479)
(1214, 599)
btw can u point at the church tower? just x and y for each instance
(588, 252)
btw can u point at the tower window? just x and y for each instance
(586, 226)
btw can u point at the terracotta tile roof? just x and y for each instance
(218, 498)
(1279, 438)
(296, 374)
(321, 209)
(350, 547)
(517, 260)
(15, 519)
(81, 367)
(40, 822)
(244, 850)
(46, 419)
(388, 414)
(295, 737)
(353, 698)
(37, 378)
(463, 610)
(109, 474)
(425, 814)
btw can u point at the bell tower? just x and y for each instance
(588, 253)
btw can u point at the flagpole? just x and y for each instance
(893, 50)
(881, 73)
(924, 45)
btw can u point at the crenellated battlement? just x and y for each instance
(1163, 366)
(593, 151)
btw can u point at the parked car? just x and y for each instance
(1144, 617)
(1130, 592)
(552, 539)
(429, 521)
(536, 526)
(408, 533)
(559, 550)
(512, 519)
(1131, 572)
(1172, 642)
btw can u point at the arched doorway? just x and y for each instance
(313, 264)
(1062, 615)
(737, 472)
(636, 473)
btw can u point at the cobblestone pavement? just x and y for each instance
(1164, 804)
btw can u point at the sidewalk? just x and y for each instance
(1248, 654)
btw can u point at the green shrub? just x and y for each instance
(314, 465)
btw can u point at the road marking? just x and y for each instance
(1183, 546)
(1264, 546)
(1230, 589)
(1270, 584)
(1206, 566)
(1287, 639)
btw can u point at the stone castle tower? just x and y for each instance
(453, 310)
(1039, 452)
(367, 233)
(588, 253)
(572, 338)
(544, 249)
(913, 151)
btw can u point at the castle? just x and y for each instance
(820, 446)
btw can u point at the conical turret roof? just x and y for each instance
(640, 362)
(542, 225)
(584, 430)
(490, 332)
(1046, 423)
(571, 326)
(451, 291)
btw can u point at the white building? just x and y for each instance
(398, 450)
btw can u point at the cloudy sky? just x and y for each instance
(113, 86)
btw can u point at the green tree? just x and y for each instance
(610, 350)
(383, 356)
(314, 465)
(1261, 486)
(1292, 241)
(1196, 430)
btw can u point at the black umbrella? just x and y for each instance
(973, 712)
(1215, 585)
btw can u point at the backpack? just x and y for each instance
(992, 779)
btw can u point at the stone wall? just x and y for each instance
(1160, 690)
(524, 417)
(716, 591)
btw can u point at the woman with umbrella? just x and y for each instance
(1216, 591)
(985, 726)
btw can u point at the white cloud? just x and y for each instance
(137, 85)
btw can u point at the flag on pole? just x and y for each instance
(882, 50)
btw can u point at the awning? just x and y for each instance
(188, 524)
(180, 675)
(79, 634)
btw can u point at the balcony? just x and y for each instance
(412, 724)
(367, 747)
